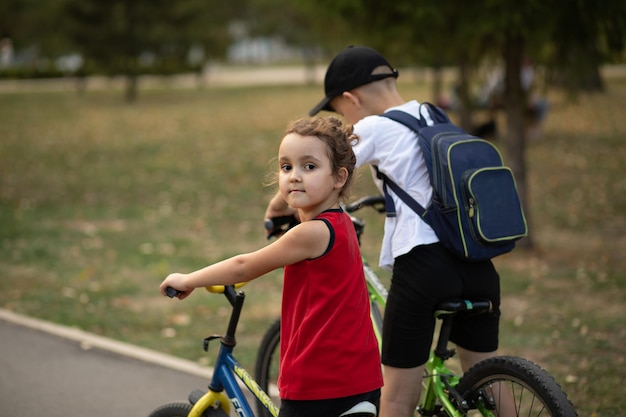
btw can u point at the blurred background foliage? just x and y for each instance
(158, 36)
(569, 40)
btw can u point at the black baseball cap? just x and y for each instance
(351, 68)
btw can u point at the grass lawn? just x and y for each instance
(100, 200)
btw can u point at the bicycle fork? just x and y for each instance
(203, 401)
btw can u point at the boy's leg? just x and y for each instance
(401, 392)
(469, 358)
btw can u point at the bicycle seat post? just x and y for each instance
(441, 350)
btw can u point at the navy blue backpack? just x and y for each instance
(475, 209)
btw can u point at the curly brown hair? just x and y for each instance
(339, 139)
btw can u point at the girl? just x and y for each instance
(330, 364)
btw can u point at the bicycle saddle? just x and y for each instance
(458, 305)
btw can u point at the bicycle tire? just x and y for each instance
(534, 391)
(266, 366)
(182, 410)
(172, 410)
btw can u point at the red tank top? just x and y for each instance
(327, 343)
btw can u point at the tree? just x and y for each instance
(31, 24)
(120, 37)
(595, 33)
(572, 40)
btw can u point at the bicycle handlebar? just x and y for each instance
(377, 202)
(172, 292)
(220, 289)
(215, 289)
(280, 224)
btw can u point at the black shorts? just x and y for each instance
(333, 407)
(423, 277)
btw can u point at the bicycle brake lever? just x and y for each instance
(205, 342)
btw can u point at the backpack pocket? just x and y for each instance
(492, 206)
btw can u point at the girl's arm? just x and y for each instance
(305, 241)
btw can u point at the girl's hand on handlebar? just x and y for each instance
(277, 226)
(176, 282)
(277, 209)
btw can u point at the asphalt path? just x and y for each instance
(55, 371)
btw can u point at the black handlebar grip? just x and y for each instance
(279, 225)
(172, 292)
(278, 222)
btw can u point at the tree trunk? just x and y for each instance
(465, 99)
(131, 87)
(437, 93)
(515, 106)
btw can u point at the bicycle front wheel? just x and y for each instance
(267, 366)
(172, 410)
(182, 410)
(512, 386)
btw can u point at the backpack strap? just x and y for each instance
(390, 207)
(437, 115)
(415, 124)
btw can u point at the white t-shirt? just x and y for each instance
(395, 150)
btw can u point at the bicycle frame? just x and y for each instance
(375, 288)
(378, 297)
(227, 371)
(436, 383)
(224, 380)
(440, 391)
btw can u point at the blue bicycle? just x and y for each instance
(224, 390)
(225, 395)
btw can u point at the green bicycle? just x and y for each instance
(477, 392)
